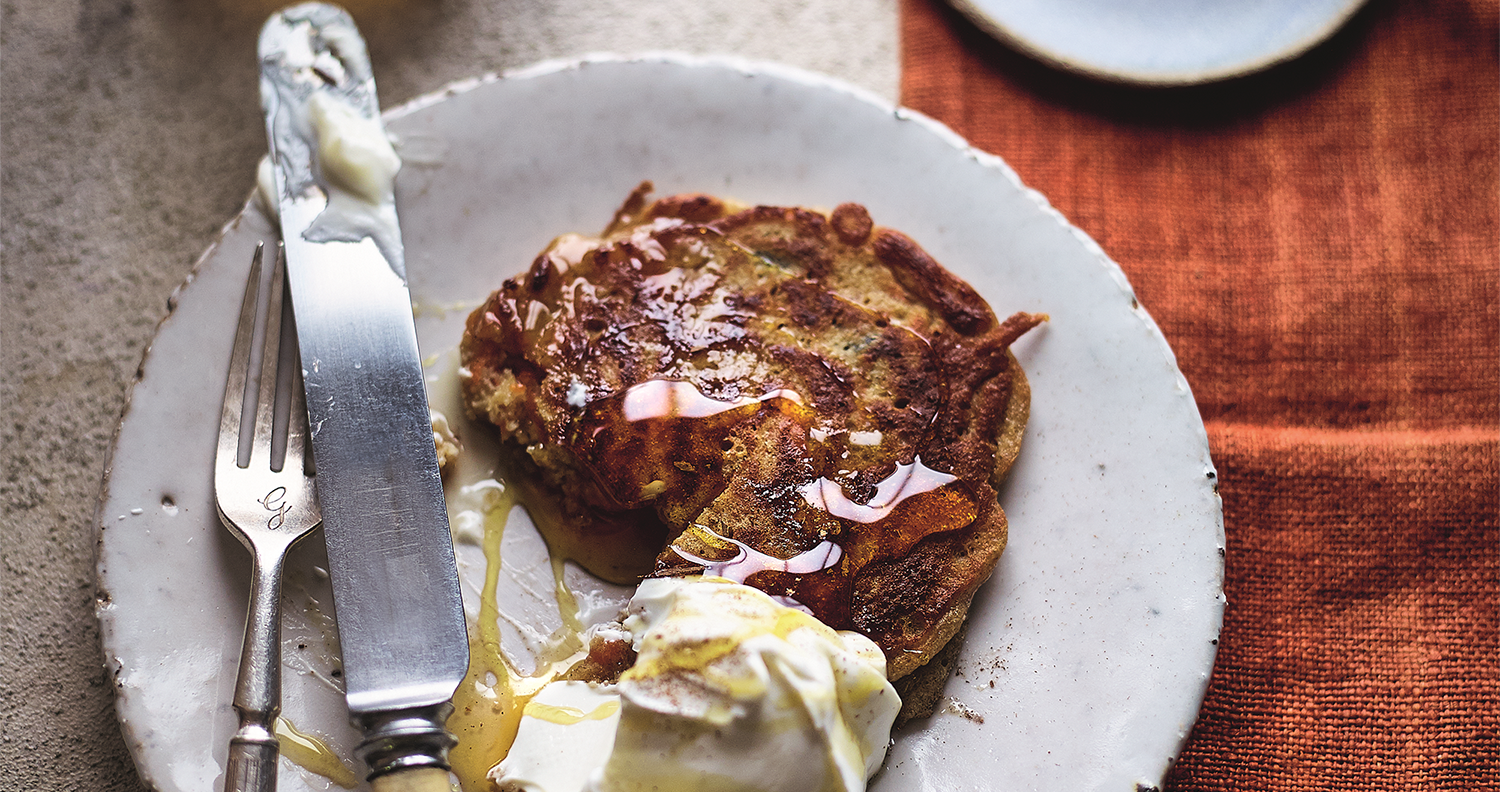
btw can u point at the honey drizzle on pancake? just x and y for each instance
(679, 439)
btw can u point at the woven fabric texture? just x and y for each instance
(1319, 244)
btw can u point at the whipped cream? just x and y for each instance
(566, 731)
(732, 690)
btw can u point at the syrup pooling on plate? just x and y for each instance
(489, 703)
(313, 754)
(485, 710)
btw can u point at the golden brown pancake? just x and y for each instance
(807, 403)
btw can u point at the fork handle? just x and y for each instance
(253, 749)
(252, 762)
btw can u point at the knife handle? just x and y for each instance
(405, 740)
(417, 779)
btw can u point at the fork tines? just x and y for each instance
(270, 416)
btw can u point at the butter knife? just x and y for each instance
(395, 584)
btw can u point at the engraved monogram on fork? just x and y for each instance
(275, 502)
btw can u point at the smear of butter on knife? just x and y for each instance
(353, 161)
(357, 166)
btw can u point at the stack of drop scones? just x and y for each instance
(768, 412)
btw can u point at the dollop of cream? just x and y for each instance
(566, 731)
(732, 690)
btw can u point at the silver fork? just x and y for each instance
(263, 482)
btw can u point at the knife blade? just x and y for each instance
(395, 584)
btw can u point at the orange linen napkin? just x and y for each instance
(1319, 244)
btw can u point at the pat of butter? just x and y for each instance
(567, 730)
(355, 165)
(353, 151)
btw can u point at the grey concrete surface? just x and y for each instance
(129, 133)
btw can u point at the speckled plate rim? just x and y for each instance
(997, 26)
(1081, 736)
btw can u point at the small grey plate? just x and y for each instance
(1161, 42)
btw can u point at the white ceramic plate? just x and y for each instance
(1161, 42)
(1089, 650)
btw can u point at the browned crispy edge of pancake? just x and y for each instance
(922, 687)
(1017, 412)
